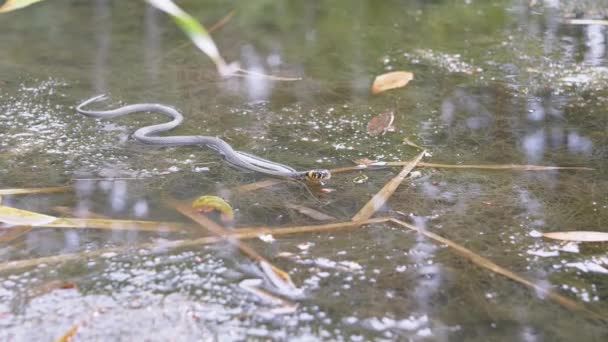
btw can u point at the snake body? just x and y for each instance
(240, 159)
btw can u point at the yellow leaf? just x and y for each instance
(14, 216)
(210, 203)
(585, 236)
(391, 80)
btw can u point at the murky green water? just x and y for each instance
(496, 82)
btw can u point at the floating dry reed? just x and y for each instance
(515, 167)
(487, 264)
(35, 190)
(244, 233)
(380, 199)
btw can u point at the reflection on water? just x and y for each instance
(496, 82)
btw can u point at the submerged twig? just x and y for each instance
(379, 199)
(258, 185)
(13, 233)
(487, 264)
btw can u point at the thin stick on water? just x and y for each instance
(380, 199)
(379, 165)
(487, 264)
(242, 233)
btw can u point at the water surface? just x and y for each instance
(496, 82)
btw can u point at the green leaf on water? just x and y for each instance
(11, 5)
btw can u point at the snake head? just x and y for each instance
(318, 175)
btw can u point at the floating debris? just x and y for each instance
(312, 213)
(360, 179)
(391, 80)
(381, 123)
(205, 204)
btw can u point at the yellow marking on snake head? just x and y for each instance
(318, 175)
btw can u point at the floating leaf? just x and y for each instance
(391, 80)
(360, 179)
(14, 216)
(205, 204)
(11, 5)
(584, 236)
(313, 214)
(380, 123)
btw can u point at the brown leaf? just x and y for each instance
(391, 80)
(380, 123)
(313, 214)
(585, 236)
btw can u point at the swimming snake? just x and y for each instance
(240, 159)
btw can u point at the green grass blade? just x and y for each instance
(196, 32)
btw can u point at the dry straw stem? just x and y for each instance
(379, 199)
(35, 190)
(244, 233)
(91, 223)
(513, 167)
(487, 264)
(270, 182)
(186, 210)
(586, 21)
(67, 336)
(278, 277)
